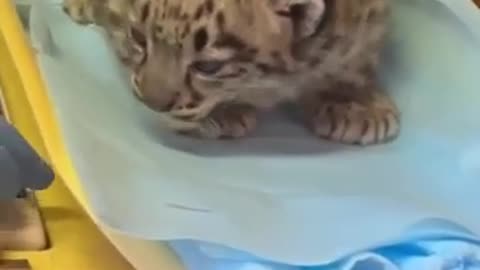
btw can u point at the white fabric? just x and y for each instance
(282, 194)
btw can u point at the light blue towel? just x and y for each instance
(448, 247)
(282, 194)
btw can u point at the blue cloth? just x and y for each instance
(447, 252)
(421, 255)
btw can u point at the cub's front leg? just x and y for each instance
(226, 121)
(230, 121)
(352, 114)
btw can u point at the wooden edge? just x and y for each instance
(14, 265)
(23, 229)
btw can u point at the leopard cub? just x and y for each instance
(209, 66)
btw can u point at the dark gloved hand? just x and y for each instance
(20, 166)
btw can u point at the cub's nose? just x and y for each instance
(164, 101)
(160, 100)
(161, 94)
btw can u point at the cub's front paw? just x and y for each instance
(367, 121)
(81, 11)
(228, 122)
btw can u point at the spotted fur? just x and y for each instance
(209, 65)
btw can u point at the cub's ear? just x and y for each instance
(306, 15)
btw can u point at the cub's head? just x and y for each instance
(203, 52)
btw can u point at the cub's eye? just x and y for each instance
(208, 67)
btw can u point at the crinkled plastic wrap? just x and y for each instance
(280, 194)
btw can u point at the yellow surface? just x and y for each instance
(76, 242)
